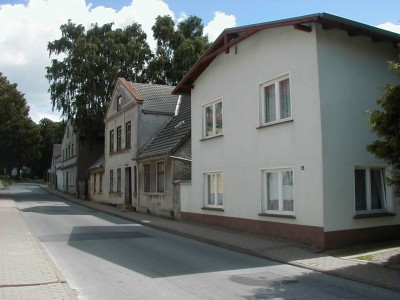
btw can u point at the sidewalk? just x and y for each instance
(26, 270)
(277, 250)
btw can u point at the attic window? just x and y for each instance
(119, 102)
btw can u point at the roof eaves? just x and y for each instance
(231, 36)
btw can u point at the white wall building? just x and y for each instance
(279, 132)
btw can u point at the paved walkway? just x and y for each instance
(38, 276)
(26, 270)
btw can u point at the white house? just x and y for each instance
(136, 114)
(76, 156)
(54, 167)
(279, 132)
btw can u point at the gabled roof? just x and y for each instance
(98, 164)
(173, 135)
(232, 36)
(156, 98)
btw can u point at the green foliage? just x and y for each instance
(20, 136)
(51, 133)
(177, 49)
(81, 84)
(386, 124)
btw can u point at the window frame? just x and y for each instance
(119, 138)
(385, 191)
(213, 105)
(206, 194)
(119, 103)
(158, 173)
(94, 182)
(111, 181)
(101, 183)
(264, 191)
(146, 189)
(111, 144)
(128, 133)
(119, 180)
(262, 101)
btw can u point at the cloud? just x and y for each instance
(26, 29)
(390, 27)
(218, 24)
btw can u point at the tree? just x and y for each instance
(51, 133)
(81, 84)
(386, 124)
(177, 49)
(19, 134)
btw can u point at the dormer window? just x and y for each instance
(119, 102)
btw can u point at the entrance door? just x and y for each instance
(128, 187)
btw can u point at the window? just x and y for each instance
(118, 180)
(119, 102)
(160, 177)
(101, 183)
(275, 101)
(277, 191)
(119, 132)
(72, 150)
(370, 190)
(213, 187)
(128, 135)
(212, 119)
(112, 140)
(111, 180)
(147, 177)
(94, 182)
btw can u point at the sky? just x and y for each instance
(26, 27)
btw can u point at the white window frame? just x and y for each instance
(264, 191)
(213, 132)
(205, 189)
(262, 106)
(386, 190)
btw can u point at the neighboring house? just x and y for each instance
(96, 175)
(76, 156)
(165, 163)
(279, 132)
(55, 159)
(137, 112)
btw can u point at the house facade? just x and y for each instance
(136, 114)
(76, 156)
(54, 167)
(165, 163)
(279, 132)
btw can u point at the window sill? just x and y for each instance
(212, 208)
(211, 137)
(374, 215)
(154, 193)
(277, 215)
(119, 151)
(275, 123)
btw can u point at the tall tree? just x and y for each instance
(20, 137)
(178, 48)
(385, 123)
(81, 84)
(51, 133)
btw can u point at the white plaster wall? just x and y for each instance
(351, 70)
(243, 149)
(119, 159)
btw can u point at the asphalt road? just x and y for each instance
(104, 257)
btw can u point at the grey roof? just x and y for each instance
(156, 98)
(99, 163)
(173, 135)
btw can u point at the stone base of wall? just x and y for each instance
(307, 235)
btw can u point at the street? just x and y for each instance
(104, 257)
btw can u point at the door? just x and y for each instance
(128, 187)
